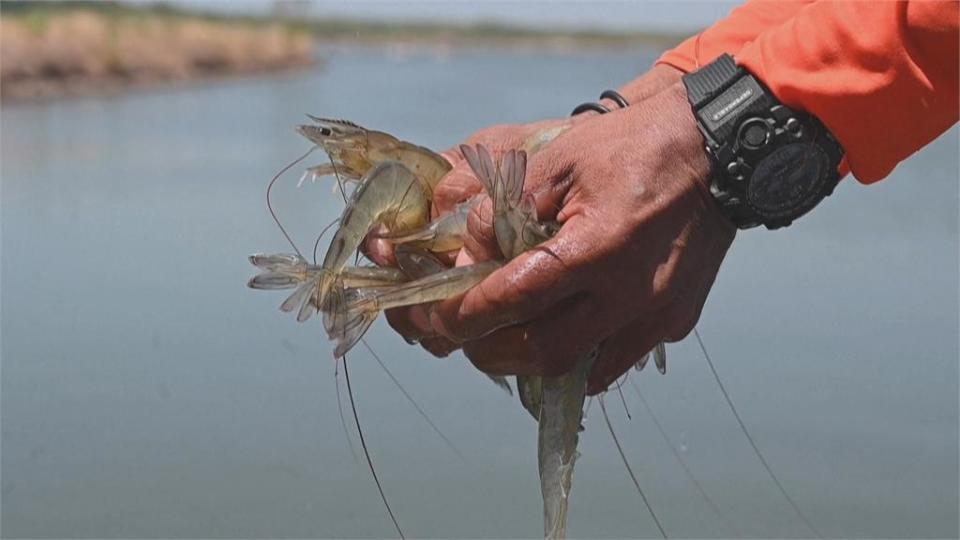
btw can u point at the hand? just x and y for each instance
(460, 184)
(638, 251)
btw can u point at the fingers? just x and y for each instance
(525, 287)
(378, 250)
(411, 323)
(457, 186)
(548, 345)
(623, 349)
(480, 243)
(438, 346)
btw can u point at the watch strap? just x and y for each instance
(709, 81)
(743, 125)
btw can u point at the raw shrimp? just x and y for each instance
(389, 195)
(350, 315)
(556, 402)
(354, 150)
(442, 234)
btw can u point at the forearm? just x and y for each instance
(883, 77)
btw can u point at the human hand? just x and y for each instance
(461, 184)
(638, 251)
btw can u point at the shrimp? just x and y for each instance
(555, 402)
(442, 234)
(354, 151)
(390, 195)
(347, 317)
(285, 271)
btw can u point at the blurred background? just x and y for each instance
(146, 392)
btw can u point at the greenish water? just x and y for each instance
(147, 393)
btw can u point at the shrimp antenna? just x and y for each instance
(336, 174)
(623, 399)
(316, 243)
(756, 449)
(626, 464)
(273, 213)
(343, 421)
(366, 452)
(413, 402)
(682, 462)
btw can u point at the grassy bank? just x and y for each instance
(56, 49)
(62, 48)
(486, 34)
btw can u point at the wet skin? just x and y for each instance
(640, 245)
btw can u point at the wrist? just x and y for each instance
(658, 78)
(687, 147)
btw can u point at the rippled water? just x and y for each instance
(147, 392)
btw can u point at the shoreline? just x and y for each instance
(47, 53)
(62, 49)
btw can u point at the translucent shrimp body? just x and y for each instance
(442, 234)
(355, 150)
(389, 195)
(556, 402)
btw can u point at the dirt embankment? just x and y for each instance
(81, 52)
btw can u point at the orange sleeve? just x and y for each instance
(882, 76)
(730, 34)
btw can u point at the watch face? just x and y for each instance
(789, 181)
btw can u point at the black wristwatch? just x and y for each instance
(770, 164)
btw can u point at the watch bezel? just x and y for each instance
(726, 99)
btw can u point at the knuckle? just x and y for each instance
(683, 318)
(438, 346)
(486, 359)
(408, 323)
(491, 134)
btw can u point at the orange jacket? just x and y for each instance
(882, 76)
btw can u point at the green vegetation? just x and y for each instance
(482, 32)
(36, 14)
(69, 47)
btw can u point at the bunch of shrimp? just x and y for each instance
(395, 181)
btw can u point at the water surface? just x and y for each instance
(147, 393)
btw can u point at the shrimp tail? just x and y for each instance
(278, 262)
(273, 281)
(347, 315)
(660, 357)
(513, 169)
(280, 271)
(501, 382)
(530, 392)
(299, 298)
(642, 362)
(482, 164)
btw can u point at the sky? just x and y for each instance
(604, 14)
